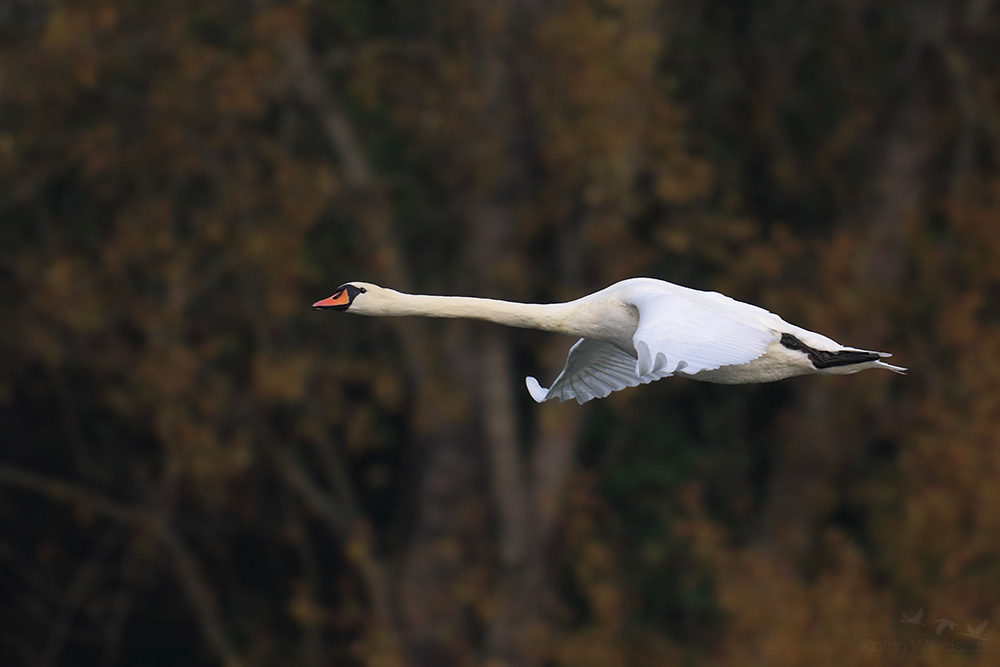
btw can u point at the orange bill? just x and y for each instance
(341, 298)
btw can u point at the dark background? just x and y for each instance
(196, 469)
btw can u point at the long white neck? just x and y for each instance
(558, 317)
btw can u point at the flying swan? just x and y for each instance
(637, 331)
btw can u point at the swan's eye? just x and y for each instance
(362, 290)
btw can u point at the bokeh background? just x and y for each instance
(196, 469)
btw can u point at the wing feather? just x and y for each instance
(679, 334)
(594, 369)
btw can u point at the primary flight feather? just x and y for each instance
(637, 331)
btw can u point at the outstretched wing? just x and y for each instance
(678, 334)
(593, 369)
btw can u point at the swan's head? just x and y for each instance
(356, 297)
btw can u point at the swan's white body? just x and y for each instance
(637, 331)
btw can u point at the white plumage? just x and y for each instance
(637, 331)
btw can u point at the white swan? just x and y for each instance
(637, 331)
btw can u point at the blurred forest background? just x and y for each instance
(196, 469)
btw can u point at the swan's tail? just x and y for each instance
(882, 364)
(894, 369)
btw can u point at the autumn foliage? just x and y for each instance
(196, 469)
